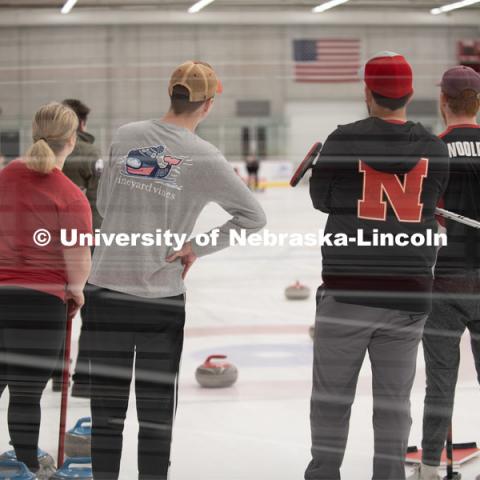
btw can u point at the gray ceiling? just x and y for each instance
(231, 5)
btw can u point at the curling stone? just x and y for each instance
(44, 459)
(297, 291)
(78, 440)
(14, 470)
(311, 331)
(216, 374)
(79, 468)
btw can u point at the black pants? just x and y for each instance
(81, 375)
(456, 307)
(123, 328)
(253, 175)
(32, 331)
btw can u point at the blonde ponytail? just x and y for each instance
(52, 127)
(40, 157)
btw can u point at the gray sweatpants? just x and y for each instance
(343, 335)
(456, 307)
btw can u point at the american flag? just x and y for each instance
(327, 60)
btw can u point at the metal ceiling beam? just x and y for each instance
(222, 5)
(11, 18)
(183, 4)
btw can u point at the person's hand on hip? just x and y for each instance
(186, 256)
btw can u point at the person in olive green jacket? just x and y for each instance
(83, 167)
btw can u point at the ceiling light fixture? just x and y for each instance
(328, 5)
(452, 6)
(199, 6)
(69, 4)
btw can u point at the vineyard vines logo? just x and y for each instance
(153, 163)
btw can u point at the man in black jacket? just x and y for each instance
(380, 177)
(456, 301)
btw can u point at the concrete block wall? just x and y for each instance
(122, 71)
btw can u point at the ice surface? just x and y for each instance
(259, 430)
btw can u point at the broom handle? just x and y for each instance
(64, 402)
(457, 218)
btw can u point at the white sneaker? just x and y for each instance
(425, 472)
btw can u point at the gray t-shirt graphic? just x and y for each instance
(160, 177)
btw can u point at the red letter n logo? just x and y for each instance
(403, 197)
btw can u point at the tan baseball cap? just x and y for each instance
(198, 78)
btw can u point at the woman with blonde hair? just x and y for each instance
(38, 275)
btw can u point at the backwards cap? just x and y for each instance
(198, 78)
(458, 79)
(389, 74)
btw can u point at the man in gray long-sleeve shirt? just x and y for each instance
(160, 176)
